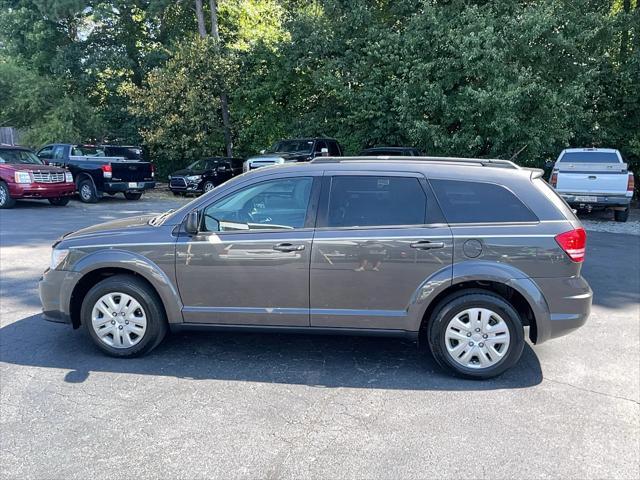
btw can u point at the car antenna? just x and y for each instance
(515, 155)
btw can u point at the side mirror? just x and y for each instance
(262, 151)
(192, 223)
(324, 152)
(549, 164)
(222, 168)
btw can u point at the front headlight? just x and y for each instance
(22, 177)
(194, 178)
(68, 177)
(57, 257)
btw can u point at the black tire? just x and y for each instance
(621, 215)
(177, 194)
(59, 202)
(5, 199)
(132, 195)
(458, 302)
(87, 191)
(156, 327)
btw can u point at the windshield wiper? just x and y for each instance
(157, 220)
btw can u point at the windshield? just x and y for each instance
(19, 156)
(293, 146)
(87, 151)
(590, 157)
(203, 164)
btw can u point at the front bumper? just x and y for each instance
(116, 187)
(569, 301)
(55, 289)
(596, 200)
(41, 190)
(181, 185)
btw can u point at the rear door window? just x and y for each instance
(590, 157)
(477, 202)
(334, 150)
(361, 201)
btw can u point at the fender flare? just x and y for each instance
(114, 258)
(480, 271)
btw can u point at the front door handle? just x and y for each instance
(426, 245)
(288, 247)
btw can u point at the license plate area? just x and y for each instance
(586, 198)
(134, 185)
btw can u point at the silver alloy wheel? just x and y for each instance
(85, 191)
(3, 194)
(119, 320)
(477, 338)
(208, 186)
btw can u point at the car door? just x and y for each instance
(46, 154)
(250, 263)
(379, 236)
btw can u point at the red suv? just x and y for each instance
(23, 175)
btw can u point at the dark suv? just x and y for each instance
(204, 175)
(294, 150)
(459, 254)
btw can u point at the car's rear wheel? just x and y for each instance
(124, 316)
(476, 334)
(59, 202)
(87, 191)
(5, 198)
(621, 215)
(132, 195)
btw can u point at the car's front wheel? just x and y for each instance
(476, 334)
(5, 199)
(124, 316)
(87, 191)
(208, 186)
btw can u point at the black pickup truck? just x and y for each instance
(95, 173)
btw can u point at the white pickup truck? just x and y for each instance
(589, 178)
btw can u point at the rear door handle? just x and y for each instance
(426, 245)
(288, 247)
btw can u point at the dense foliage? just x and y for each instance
(459, 77)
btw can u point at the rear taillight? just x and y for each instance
(554, 180)
(573, 243)
(153, 170)
(631, 183)
(107, 172)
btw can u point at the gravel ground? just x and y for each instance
(602, 221)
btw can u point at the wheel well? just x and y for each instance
(89, 280)
(515, 298)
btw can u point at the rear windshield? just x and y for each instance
(476, 202)
(590, 157)
(19, 156)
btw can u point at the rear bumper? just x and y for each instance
(55, 288)
(115, 187)
(41, 190)
(598, 200)
(569, 302)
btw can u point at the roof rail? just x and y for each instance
(473, 161)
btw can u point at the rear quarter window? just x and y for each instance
(478, 202)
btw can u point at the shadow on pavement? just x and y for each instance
(611, 268)
(322, 361)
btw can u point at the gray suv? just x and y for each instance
(459, 254)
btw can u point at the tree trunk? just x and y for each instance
(224, 101)
(214, 21)
(202, 30)
(624, 39)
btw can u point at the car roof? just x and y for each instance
(14, 147)
(373, 149)
(305, 139)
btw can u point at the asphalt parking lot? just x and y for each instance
(271, 406)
